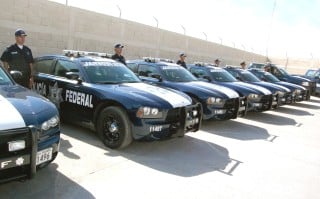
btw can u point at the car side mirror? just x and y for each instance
(16, 75)
(207, 78)
(238, 78)
(195, 74)
(72, 75)
(157, 76)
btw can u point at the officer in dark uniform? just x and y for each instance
(217, 62)
(243, 65)
(117, 56)
(19, 57)
(181, 61)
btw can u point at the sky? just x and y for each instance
(277, 28)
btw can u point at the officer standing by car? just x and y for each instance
(217, 62)
(243, 65)
(19, 57)
(118, 54)
(181, 61)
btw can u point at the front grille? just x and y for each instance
(265, 98)
(231, 103)
(13, 135)
(173, 115)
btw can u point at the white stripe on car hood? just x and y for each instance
(227, 91)
(10, 118)
(260, 88)
(173, 98)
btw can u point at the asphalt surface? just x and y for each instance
(275, 154)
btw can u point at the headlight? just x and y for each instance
(305, 83)
(280, 93)
(253, 96)
(214, 100)
(148, 112)
(52, 122)
(16, 145)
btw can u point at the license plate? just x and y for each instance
(44, 156)
(241, 108)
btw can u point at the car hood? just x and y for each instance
(272, 87)
(148, 95)
(259, 89)
(204, 89)
(242, 90)
(299, 79)
(21, 107)
(290, 85)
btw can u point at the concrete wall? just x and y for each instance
(52, 27)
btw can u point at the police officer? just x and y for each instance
(19, 57)
(181, 61)
(117, 56)
(217, 62)
(243, 65)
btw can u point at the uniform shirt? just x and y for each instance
(182, 63)
(119, 58)
(18, 59)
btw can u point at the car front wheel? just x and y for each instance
(113, 127)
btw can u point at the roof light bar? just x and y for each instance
(78, 53)
(155, 59)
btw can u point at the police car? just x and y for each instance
(106, 96)
(299, 93)
(257, 97)
(281, 95)
(218, 102)
(29, 130)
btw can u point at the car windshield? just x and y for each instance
(222, 76)
(284, 72)
(109, 73)
(249, 77)
(271, 78)
(175, 73)
(4, 79)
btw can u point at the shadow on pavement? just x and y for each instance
(292, 111)
(48, 183)
(185, 156)
(65, 145)
(308, 106)
(236, 130)
(268, 118)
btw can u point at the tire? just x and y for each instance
(117, 119)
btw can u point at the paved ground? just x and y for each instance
(275, 154)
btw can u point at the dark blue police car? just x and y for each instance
(258, 98)
(283, 75)
(29, 130)
(218, 102)
(299, 93)
(108, 97)
(281, 95)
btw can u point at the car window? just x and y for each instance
(63, 66)
(44, 66)
(310, 73)
(101, 72)
(147, 71)
(198, 72)
(222, 76)
(249, 77)
(4, 79)
(176, 73)
(133, 67)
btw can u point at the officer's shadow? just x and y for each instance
(65, 147)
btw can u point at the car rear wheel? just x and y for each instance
(113, 127)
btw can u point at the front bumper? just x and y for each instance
(230, 110)
(263, 104)
(22, 164)
(176, 122)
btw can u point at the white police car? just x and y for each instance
(105, 95)
(29, 130)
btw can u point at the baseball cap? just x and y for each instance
(20, 32)
(217, 60)
(183, 55)
(118, 46)
(243, 63)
